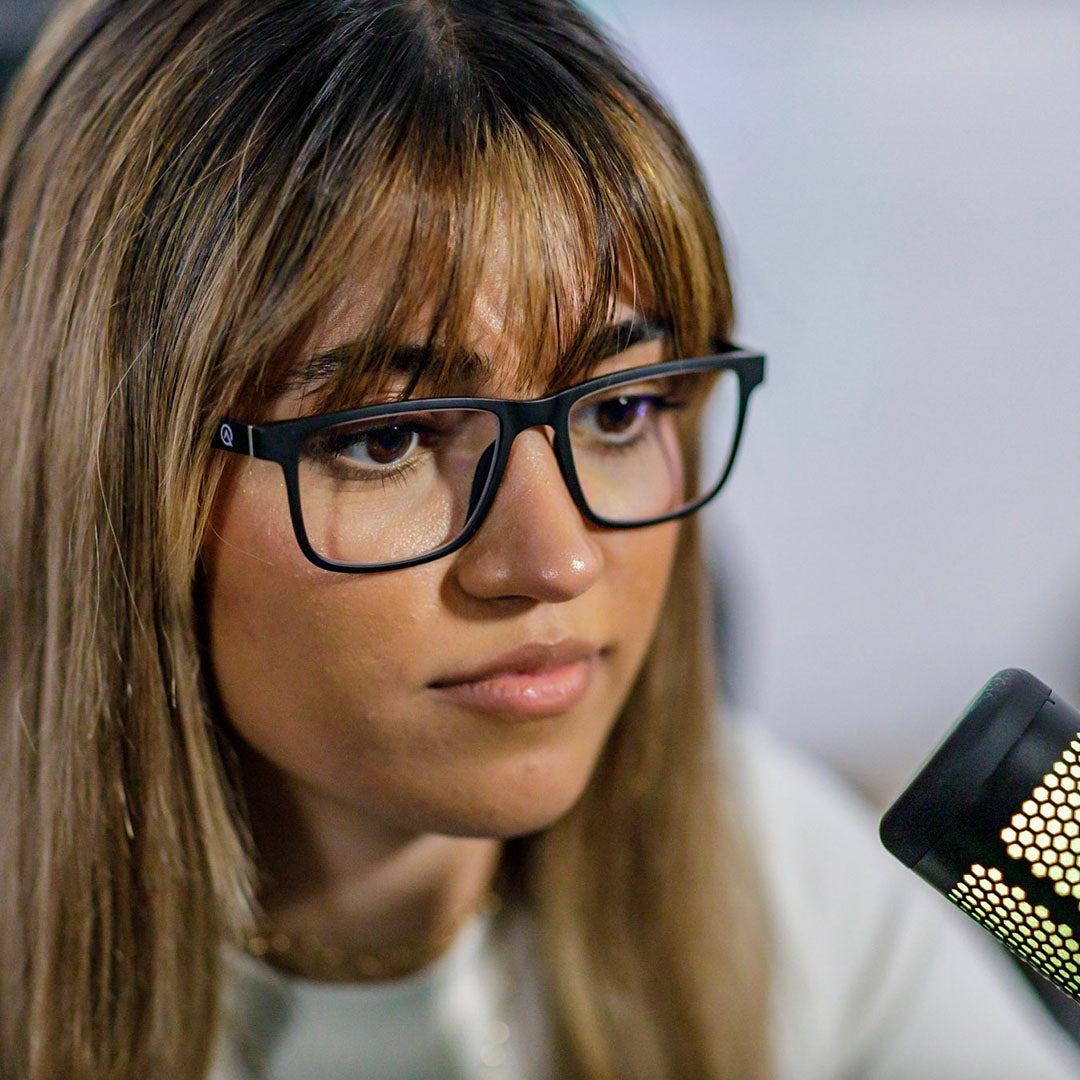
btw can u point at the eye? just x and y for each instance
(387, 445)
(617, 419)
(368, 449)
(619, 415)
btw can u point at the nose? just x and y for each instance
(534, 542)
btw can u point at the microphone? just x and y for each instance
(992, 820)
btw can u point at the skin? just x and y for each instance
(377, 806)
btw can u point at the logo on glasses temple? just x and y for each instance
(227, 435)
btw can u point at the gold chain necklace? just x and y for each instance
(309, 957)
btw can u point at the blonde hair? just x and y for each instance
(183, 186)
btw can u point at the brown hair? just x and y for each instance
(183, 186)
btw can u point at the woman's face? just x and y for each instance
(471, 695)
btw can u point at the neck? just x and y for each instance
(335, 876)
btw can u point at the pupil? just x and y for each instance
(617, 414)
(387, 443)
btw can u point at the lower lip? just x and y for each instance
(525, 694)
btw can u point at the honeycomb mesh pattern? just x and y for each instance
(1045, 833)
(1025, 928)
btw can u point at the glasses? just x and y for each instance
(398, 484)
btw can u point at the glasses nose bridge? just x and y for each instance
(523, 415)
(518, 416)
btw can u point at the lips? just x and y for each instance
(534, 657)
(535, 679)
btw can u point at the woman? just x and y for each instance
(358, 717)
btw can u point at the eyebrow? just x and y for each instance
(409, 360)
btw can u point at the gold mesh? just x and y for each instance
(1024, 927)
(1045, 833)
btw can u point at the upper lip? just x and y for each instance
(534, 656)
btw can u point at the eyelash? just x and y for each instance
(328, 455)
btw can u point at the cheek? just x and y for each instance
(638, 565)
(639, 562)
(289, 643)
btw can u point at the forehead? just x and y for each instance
(508, 326)
(495, 302)
(490, 352)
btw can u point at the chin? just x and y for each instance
(517, 807)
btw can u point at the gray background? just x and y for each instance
(18, 19)
(897, 183)
(898, 186)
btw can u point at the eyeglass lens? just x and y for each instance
(394, 488)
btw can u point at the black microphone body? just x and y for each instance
(992, 820)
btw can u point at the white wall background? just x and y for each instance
(899, 184)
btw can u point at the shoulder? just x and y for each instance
(876, 975)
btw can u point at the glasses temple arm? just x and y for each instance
(236, 437)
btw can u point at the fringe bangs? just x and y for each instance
(554, 230)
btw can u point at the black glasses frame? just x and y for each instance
(282, 440)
